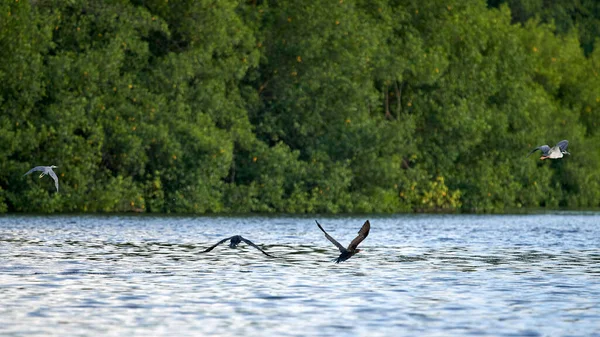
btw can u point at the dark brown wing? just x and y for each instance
(216, 244)
(255, 246)
(362, 234)
(340, 247)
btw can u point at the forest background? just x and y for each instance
(206, 106)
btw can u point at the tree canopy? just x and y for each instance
(204, 106)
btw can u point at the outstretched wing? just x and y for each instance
(544, 148)
(216, 244)
(362, 234)
(255, 246)
(53, 175)
(340, 247)
(37, 168)
(563, 145)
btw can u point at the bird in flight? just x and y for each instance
(352, 249)
(46, 170)
(235, 240)
(553, 153)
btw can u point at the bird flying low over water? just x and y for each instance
(46, 170)
(553, 153)
(352, 249)
(235, 240)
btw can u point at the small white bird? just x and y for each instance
(556, 152)
(46, 170)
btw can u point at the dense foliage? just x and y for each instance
(298, 106)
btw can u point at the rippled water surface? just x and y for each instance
(418, 275)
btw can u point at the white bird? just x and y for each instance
(46, 170)
(552, 153)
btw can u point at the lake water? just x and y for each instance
(418, 275)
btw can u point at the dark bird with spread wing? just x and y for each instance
(236, 240)
(352, 249)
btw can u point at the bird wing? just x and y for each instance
(544, 148)
(53, 175)
(216, 244)
(340, 247)
(255, 246)
(37, 168)
(362, 234)
(563, 145)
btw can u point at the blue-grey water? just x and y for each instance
(418, 275)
